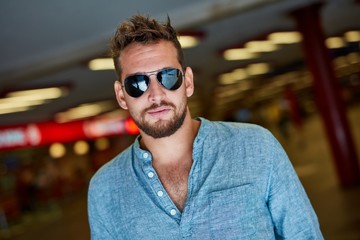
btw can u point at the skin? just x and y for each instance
(157, 107)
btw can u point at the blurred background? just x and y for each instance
(292, 66)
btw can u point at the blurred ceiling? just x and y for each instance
(49, 43)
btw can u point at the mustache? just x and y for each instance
(161, 104)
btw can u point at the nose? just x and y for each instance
(156, 91)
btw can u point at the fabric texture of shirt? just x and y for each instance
(241, 186)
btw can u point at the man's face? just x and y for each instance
(158, 112)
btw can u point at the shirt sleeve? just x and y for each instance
(289, 206)
(98, 227)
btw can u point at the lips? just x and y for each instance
(159, 111)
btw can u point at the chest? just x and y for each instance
(175, 181)
(233, 213)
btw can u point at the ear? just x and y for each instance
(189, 82)
(120, 95)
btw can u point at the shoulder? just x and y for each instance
(102, 180)
(253, 139)
(239, 129)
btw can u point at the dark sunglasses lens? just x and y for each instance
(136, 85)
(170, 78)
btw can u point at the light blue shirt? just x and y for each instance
(241, 186)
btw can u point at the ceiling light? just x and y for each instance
(261, 46)
(8, 103)
(239, 74)
(188, 41)
(340, 62)
(238, 54)
(234, 91)
(7, 106)
(29, 98)
(233, 77)
(227, 93)
(23, 100)
(352, 36)
(101, 64)
(353, 58)
(13, 110)
(285, 37)
(47, 93)
(226, 78)
(335, 42)
(84, 111)
(258, 68)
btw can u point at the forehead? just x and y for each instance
(148, 57)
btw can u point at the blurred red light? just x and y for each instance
(131, 127)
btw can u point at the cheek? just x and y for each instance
(134, 106)
(182, 99)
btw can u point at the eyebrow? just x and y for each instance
(146, 73)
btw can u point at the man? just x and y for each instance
(187, 178)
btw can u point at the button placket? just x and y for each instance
(150, 174)
(158, 188)
(173, 212)
(186, 215)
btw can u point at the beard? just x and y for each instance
(162, 128)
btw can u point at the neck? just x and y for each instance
(173, 149)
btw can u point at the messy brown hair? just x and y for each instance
(144, 30)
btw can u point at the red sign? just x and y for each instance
(38, 134)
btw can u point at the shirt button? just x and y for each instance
(160, 193)
(173, 212)
(150, 174)
(145, 155)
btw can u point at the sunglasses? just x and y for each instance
(170, 78)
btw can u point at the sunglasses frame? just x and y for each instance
(146, 75)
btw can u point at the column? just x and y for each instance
(328, 97)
